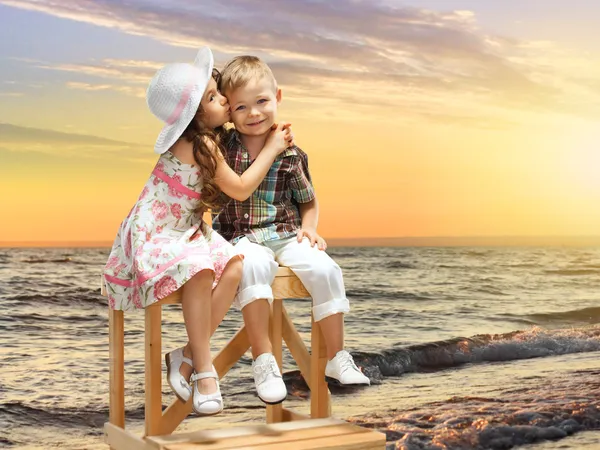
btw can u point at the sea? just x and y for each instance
(466, 348)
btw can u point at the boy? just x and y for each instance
(277, 225)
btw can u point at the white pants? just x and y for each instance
(320, 275)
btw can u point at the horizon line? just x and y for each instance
(488, 240)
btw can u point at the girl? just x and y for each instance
(163, 244)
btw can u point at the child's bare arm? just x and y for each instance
(309, 214)
(241, 187)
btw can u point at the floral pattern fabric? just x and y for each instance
(162, 242)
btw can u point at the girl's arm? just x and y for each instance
(241, 187)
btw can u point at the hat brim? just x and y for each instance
(170, 133)
(203, 56)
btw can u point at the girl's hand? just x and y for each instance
(313, 237)
(280, 138)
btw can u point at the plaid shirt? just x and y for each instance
(272, 211)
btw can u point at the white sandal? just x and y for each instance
(179, 385)
(206, 404)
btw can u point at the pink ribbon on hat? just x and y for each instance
(185, 96)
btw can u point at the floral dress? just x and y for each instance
(163, 243)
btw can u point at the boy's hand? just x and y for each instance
(313, 237)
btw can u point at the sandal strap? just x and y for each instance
(203, 375)
(188, 361)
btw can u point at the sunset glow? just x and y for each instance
(429, 118)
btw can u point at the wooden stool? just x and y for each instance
(312, 367)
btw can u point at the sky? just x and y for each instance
(420, 118)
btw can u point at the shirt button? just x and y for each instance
(245, 155)
(246, 216)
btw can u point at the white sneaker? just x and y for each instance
(343, 370)
(267, 378)
(206, 404)
(179, 385)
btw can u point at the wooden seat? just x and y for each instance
(159, 423)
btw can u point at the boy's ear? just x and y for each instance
(278, 95)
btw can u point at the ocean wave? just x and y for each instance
(573, 272)
(334, 252)
(378, 294)
(92, 420)
(490, 289)
(520, 265)
(512, 318)
(28, 319)
(477, 253)
(534, 343)
(398, 265)
(589, 315)
(59, 297)
(441, 355)
(6, 442)
(66, 259)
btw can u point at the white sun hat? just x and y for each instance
(174, 95)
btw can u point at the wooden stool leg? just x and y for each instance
(153, 411)
(319, 393)
(116, 357)
(275, 412)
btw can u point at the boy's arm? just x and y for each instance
(304, 194)
(309, 214)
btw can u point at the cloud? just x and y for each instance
(15, 138)
(129, 90)
(132, 76)
(104, 70)
(406, 58)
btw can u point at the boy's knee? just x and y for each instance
(326, 268)
(264, 267)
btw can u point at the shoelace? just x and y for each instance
(266, 369)
(347, 363)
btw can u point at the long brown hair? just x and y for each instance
(198, 133)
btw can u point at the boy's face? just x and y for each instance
(254, 107)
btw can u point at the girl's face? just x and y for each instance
(215, 109)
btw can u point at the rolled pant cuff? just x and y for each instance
(252, 293)
(320, 312)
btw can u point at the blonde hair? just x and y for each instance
(241, 70)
